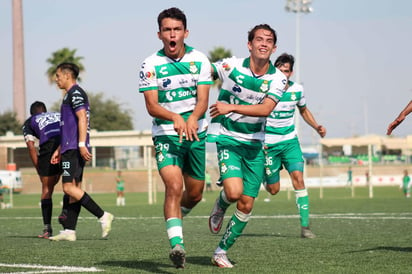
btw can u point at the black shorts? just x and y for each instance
(72, 166)
(45, 153)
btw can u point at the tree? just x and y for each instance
(9, 122)
(106, 114)
(219, 53)
(60, 56)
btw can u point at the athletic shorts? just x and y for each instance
(287, 154)
(244, 161)
(45, 153)
(189, 156)
(72, 166)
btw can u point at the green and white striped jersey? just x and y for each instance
(240, 86)
(176, 82)
(280, 125)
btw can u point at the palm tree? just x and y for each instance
(60, 56)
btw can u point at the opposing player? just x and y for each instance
(74, 151)
(282, 146)
(175, 82)
(251, 87)
(44, 127)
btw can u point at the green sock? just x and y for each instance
(234, 229)
(302, 202)
(175, 231)
(223, 202)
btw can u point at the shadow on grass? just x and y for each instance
(386, 248)
(156, 267)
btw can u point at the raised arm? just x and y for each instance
(310, 120)
(400, 118)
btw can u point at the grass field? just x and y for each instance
(355, 235)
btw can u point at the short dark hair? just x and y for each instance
(37, 107)
(252, 32)
(72, 68)
(173, 13)
(285, 58)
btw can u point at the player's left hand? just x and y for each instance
(84, 152)
(192, 127)
(321, 131)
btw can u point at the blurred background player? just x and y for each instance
(406, 184)
(282, 145)
(45, 127)
(400, 118)
(175, 82)
(120, 200)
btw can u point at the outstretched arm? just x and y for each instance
(400, 118)
(310, 120)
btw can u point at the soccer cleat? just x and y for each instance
(221, 260)
(216, 218)
(307, 233)
(106, 221)
(219, 183)
(64, 235)
(178, 256)
(47, 233)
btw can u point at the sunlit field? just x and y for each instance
(354, 235)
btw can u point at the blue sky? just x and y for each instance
(355, 55)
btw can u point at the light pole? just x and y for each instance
(298, 7)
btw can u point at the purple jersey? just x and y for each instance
(74, 100)
(42, 126)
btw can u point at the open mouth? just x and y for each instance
(172, 44)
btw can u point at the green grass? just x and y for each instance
(355, 235)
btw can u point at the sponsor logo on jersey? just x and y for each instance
(166, 82)
(236, 88)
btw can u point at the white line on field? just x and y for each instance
(360, 216)
(50, 269)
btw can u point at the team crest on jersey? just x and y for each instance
(223, 168)
(268, 171)
(192, 68)
(265, 86)
(160, 157)
(293, 96)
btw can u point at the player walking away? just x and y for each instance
(251, 87)
(349, 182)
(400, 118)
(282, 146)
(175, 82)
(74, 151)
(44, 127)
(406, 184)
(120, 200)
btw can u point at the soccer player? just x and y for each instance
(400, 118)
(406, 184)
(45, 127)
(74, 152)
(120, 200)
(175, 82)
(251, 87)
(282, 146)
